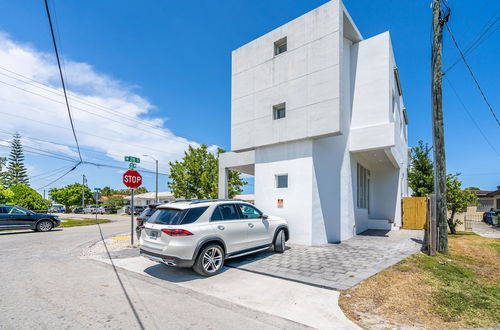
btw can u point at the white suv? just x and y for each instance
(203, 233)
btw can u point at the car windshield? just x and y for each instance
(176, 216)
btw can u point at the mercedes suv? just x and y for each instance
(203, 233)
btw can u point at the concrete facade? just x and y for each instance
(342, 127)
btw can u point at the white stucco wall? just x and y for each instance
(305, 77)
(294, 159)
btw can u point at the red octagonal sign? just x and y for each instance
(132, 179)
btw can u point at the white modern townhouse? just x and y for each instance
(317, 116)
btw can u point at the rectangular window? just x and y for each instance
(363, 176)
(279, 111)
(282, 181)
(280, 46)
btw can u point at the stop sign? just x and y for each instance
(132, 179)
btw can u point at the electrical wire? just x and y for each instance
(62, 78)
(472, 74)
(60, 177)
(471, 117)
(476, 41)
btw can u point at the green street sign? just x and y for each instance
(132, 166)
(132, 159)
(97, 189)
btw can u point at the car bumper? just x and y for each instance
(167, 260)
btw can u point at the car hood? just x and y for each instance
(40, 215)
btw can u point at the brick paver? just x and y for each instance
(336, 266)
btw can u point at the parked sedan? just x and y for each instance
(15, 217)
(106, 210)
(78, 210)
(91, 209)
(143, 217)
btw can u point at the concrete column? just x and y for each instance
(223, 184)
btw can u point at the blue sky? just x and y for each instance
(174, 58)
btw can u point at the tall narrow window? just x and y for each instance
(279, 111)
(280, 46)
(282, 181)
(363, 176)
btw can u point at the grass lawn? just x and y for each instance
(83, 222)
(460, 289)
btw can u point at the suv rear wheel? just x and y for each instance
(210, 260)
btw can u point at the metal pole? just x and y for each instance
(438, 128)
(156, 195)
(83, 192)
(132, 218)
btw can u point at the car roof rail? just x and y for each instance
(197, 201)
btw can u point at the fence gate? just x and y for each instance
(414, 212)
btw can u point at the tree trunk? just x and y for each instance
(452, 224)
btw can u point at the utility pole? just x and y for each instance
(156, 161)
(83, 191)
(438, 126)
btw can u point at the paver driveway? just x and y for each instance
(336, 266)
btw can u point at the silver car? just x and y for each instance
(203, 233)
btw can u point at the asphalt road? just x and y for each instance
(44, 285)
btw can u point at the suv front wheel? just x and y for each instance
(210, 260)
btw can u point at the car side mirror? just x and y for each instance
(265, 217)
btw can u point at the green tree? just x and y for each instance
(196, 175)
(421, 172)
(473, 188)
(106, 191)
(3, 173)
(115, 201)
(16, 171)
(457, 200)
(71, 195)
(24, 196)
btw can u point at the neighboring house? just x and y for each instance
(317, 116)
(495, 197)
(246, 197)
(149, 198)
(483, 203)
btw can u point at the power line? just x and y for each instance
(92, 113)
(62, 176)
(90, 134)
(79, 99)
(471, 117)
(62, 78)
(472, 74)
(476, 41)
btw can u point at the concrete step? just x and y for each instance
(382, 224)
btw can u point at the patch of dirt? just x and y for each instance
(403, 296)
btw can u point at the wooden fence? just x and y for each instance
(414, 212)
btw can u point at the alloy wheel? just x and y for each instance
(212, 259)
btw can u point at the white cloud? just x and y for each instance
(42, 118)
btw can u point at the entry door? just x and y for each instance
(228, 224)
(259, 232)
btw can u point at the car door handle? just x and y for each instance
(250, 225)
(220, 227)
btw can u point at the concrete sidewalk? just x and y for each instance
(485, 230)
(308, 305)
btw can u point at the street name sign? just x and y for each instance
(132, 159)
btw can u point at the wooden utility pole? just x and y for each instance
(438, 127)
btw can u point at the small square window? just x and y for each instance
(280, 46)
(279, 111)
(282, 181)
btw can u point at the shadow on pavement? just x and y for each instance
(375, 232)
(28, 231)
(174, 274)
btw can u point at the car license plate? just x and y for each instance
(154, 234)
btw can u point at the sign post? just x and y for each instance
(133, 180)
(97, 195)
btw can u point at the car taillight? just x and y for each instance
(177, 232)
(138, 219)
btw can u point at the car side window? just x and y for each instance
(15, 210)
(7, 209)
(225, 213)
(249, 212)
(3, 210)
